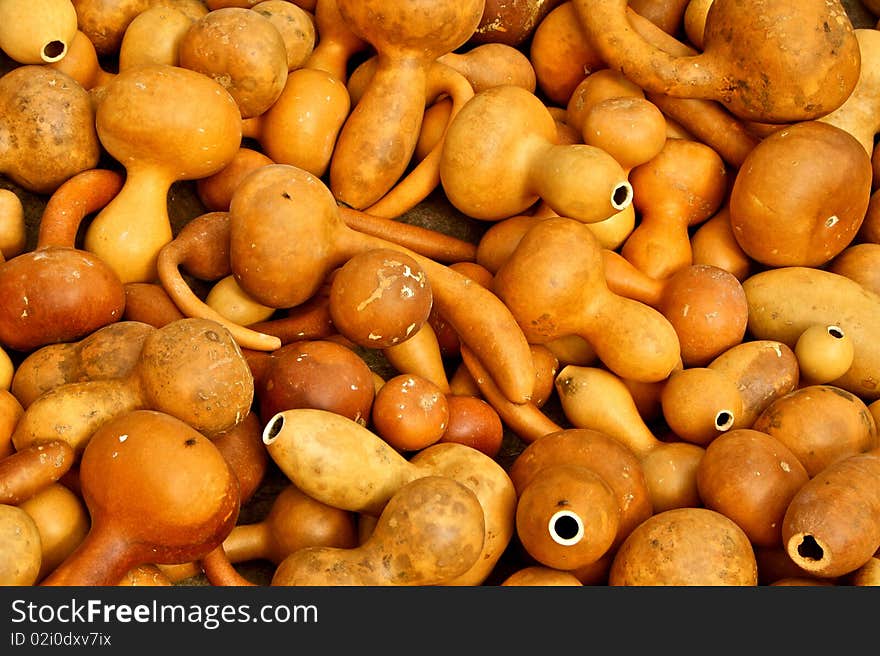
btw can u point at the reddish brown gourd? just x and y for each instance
(36, 310)
(744, 63)
(157, 491)
(832, 525)
(751, 477)
(821, 424)
(316, 374)
(510, 22)
(410, 412)
(53, 137)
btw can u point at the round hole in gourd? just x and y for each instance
(836, 332)
(273, 428)
(622, 196)
(831, 221)
(53, 51)
(810, 549)
(724, 420)
(566, 528)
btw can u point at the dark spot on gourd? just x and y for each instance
(285, 195)
(826, 26)
(212, 336)
(849, 396)
(190, 442)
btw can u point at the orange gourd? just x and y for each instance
(296, 26)
(679, 188)
(801, 195)
(714, 243)
(377, 140)
(561, 55)
(744, 62)
(242, 51)
(832, 525)
(685, 547)
(824, 353)
(82, 64)
(164, 123)
(553, 282)
(492, 179)
(751, 477)
(154, 36)
(820, 424)
(667, 15)
(492, 64)
(410, 412)
(182, 498)
(700, 403)
(105, 21)
(859, 262)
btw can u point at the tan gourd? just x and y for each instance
(53, 137)
(367, 472)
(20, 543)
(36, 310)
(694, 20)
(377, 140)
(420, 354)
(858, 113)
(740, 63)
(157, 491)
(832, 525)
(685, 547)
(241, 50)
(492, 179)
(824, 353)
(597, 399)
(785, 301)
(165, 123)
(492, 64)
(679, 188)
(820, 424)
(228, 300)
(750, 477)
(430, 532)
(13, 235)
(107, 352)
(62, 520)
(826, 177)
(154, 36)
(191, 368)
(37, 32)
(554, 284)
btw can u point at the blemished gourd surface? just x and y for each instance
(488, 305)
